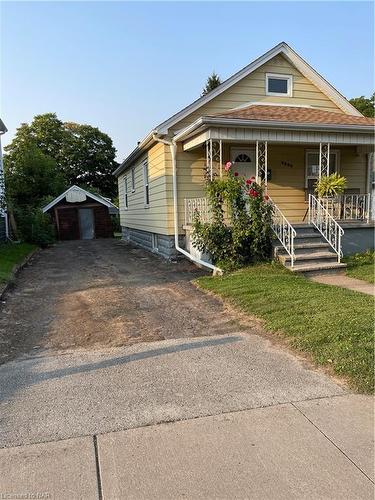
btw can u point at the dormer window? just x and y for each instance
(279, 85)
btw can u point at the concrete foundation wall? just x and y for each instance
(357, 239)
(159, 244)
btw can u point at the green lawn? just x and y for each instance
(361, 266)
(333, 324)
(10, 255)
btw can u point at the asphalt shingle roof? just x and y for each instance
(295, 115)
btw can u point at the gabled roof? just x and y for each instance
(282, 48)
(294, 114)
(96, 197)
(3, 128)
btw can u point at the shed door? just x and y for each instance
(68, 224)
(86, 223)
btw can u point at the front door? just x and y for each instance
(86, 223)
(243, 160)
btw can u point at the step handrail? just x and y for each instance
(328, 227)
(284, 231)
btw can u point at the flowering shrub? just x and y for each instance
(240, 229)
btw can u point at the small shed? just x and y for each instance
(81, 215)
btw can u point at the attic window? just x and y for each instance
(279, 85)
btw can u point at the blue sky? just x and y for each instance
(126, 66)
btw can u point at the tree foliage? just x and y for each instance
(31, 176)
(366, 105)
(213, 81)
(83, 154)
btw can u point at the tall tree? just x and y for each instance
(31, 177)
(213, 81)
(89, 158)
(83, 154)
(365, 105)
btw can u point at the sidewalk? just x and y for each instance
(345, 282)
(321, 448)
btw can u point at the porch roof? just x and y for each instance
(280, 124)
(294, 114)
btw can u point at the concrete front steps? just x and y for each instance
(313, 254)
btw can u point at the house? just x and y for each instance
(3, 212)
(277, 119)
(79, 214)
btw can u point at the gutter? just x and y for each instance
(173, 147)
(135, 153)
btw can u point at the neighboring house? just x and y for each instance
(79, 214)
(276, 119)
(3, 212)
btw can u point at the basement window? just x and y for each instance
(279, 85)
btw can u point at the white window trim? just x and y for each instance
(332, 151)
(279, 76)
(132, 175)
(126, 192)
(146, 184)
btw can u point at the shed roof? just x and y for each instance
(100, 199)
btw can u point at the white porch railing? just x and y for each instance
(320, 217)
(284, 231)
(354, 207)
(194, 206)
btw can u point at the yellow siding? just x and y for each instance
(154, 218)
(287, 185)
(190, 181)
(354, 168)
(252, 89)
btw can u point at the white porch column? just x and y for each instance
(324, 148)
(214, 157)
(261, 162)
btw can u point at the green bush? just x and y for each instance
(34, 226)
(239, 231)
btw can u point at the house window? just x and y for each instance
(242, 158)
(279, 85)
(146, 184)
(312, 168)
(133, 179)
(126, 199)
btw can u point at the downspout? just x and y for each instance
(173, 147)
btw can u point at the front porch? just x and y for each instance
(289, 171)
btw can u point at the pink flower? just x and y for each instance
(228, 166)
(236, 174)
(252, 193)
(266, 197)
(248, 181)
